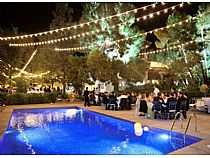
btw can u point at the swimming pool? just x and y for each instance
(77, 131)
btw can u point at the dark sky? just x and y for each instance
(35, 17)
(30, 17)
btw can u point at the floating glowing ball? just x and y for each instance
(138, 129)
(137, 125)
(139, 132)
(146, 129)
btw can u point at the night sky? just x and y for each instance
(36, 17)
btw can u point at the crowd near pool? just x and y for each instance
(77, 131)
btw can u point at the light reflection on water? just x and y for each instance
(77, 131)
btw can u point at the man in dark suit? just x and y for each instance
(86, 95)
(182, 104)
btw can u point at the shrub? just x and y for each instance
(24, 98)
(65, 96)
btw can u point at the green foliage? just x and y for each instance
(65, 96)
(94, 11)
(77, 72)
(100, 66)
(147, 88)
(21, 85)
(135, 70)
(25, 98)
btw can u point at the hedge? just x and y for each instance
(25, 98)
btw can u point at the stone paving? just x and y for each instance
(203, 120)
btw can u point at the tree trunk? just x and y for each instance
(116, 86)
(52, 83)
(64, 82)
(204, 74)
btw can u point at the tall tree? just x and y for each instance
(203, 34)
(95, 11)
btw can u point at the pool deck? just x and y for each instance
(203, 121)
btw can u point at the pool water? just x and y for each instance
(76, 131)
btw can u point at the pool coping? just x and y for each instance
(194, 149)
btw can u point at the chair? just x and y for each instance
(171, 108)
(124, 103)
(112, 105)
(157, 109)
(183, 105)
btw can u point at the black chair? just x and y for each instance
(157, 109)
(112, 105)
(124, 103)
(171, 109)
(183, 105)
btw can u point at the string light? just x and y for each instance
(75, 26)
(124, 39)
(160, 11)
(87, 33)
(21, 71)
(171, 48)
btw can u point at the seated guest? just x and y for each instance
(159, 105)
(143, 106)
(92, 99)
(123, 102)
(171, 104)
(112, 101)
(130, 99)
(137, 104)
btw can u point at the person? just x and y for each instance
(130, 99)
(149, 100)
(137, 104)
(156, 91)
(123, 101)
(105, 99)
(159, 105)
(112, 102)
(86, 95)
(143, 106)
(173, 102)
(92, 99)
(182, 105)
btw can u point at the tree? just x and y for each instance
(136, 70)
(57, 62)
(183, 62)
(126, 49)
(78, 72)
(10, 57)
(100, 66)
(202, 34)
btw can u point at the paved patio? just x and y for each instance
(201, 148)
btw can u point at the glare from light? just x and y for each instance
(146, 129)
(164, 136)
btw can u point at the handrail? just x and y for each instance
(193, 114)
(181, 118)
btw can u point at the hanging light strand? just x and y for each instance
(171, 47)
(30, 59)
(124, 39)
(76, 26)
(76, 36)
(151, 15)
